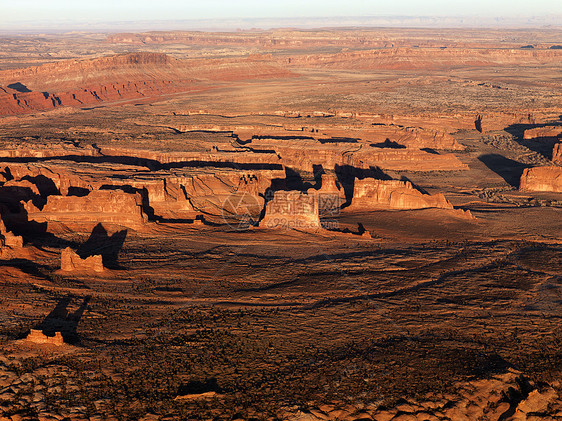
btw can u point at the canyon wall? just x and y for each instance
(423, 58)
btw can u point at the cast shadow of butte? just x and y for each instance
(506, 168)
(60, 319)
(100, 243)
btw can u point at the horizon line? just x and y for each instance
(299, 23)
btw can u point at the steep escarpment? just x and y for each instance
(393, 194)
(10, 245)
(76, 83)
(424, 58)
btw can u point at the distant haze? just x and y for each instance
(244, 14)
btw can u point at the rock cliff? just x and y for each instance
(76, 83)
(72, 262)
(393, 194)
(100, 206)
(547, 179)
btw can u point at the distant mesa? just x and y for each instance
(77, 83)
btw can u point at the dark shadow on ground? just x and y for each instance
(20, 87)
(60, 319)
(100, 243)
(506, 168)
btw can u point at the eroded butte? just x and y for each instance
(354, 224)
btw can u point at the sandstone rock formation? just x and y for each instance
(506, 396)
(72, 262)
(547, 179)
(409, 137)
(36, 336)
(100, 206)
(393, 194)
(292, 210)
(10, 244)
(544, 131)
(304, 153)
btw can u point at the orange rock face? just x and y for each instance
(10, 244)
(101, 206)
(72, 262)
(546, 131)
(548, 179)
(38, 337)
(393, 194)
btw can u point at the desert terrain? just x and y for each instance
(359, 224)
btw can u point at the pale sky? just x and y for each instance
(14, 12)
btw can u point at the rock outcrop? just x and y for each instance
(100, 206)
(36, 336)
(407, 137)
(292, 210)
(393, 194)
(547, 179)
(304, 153)
(505, 396)
(72, 262)
(544, 131)
(10, 244)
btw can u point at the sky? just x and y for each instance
(24, 12)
